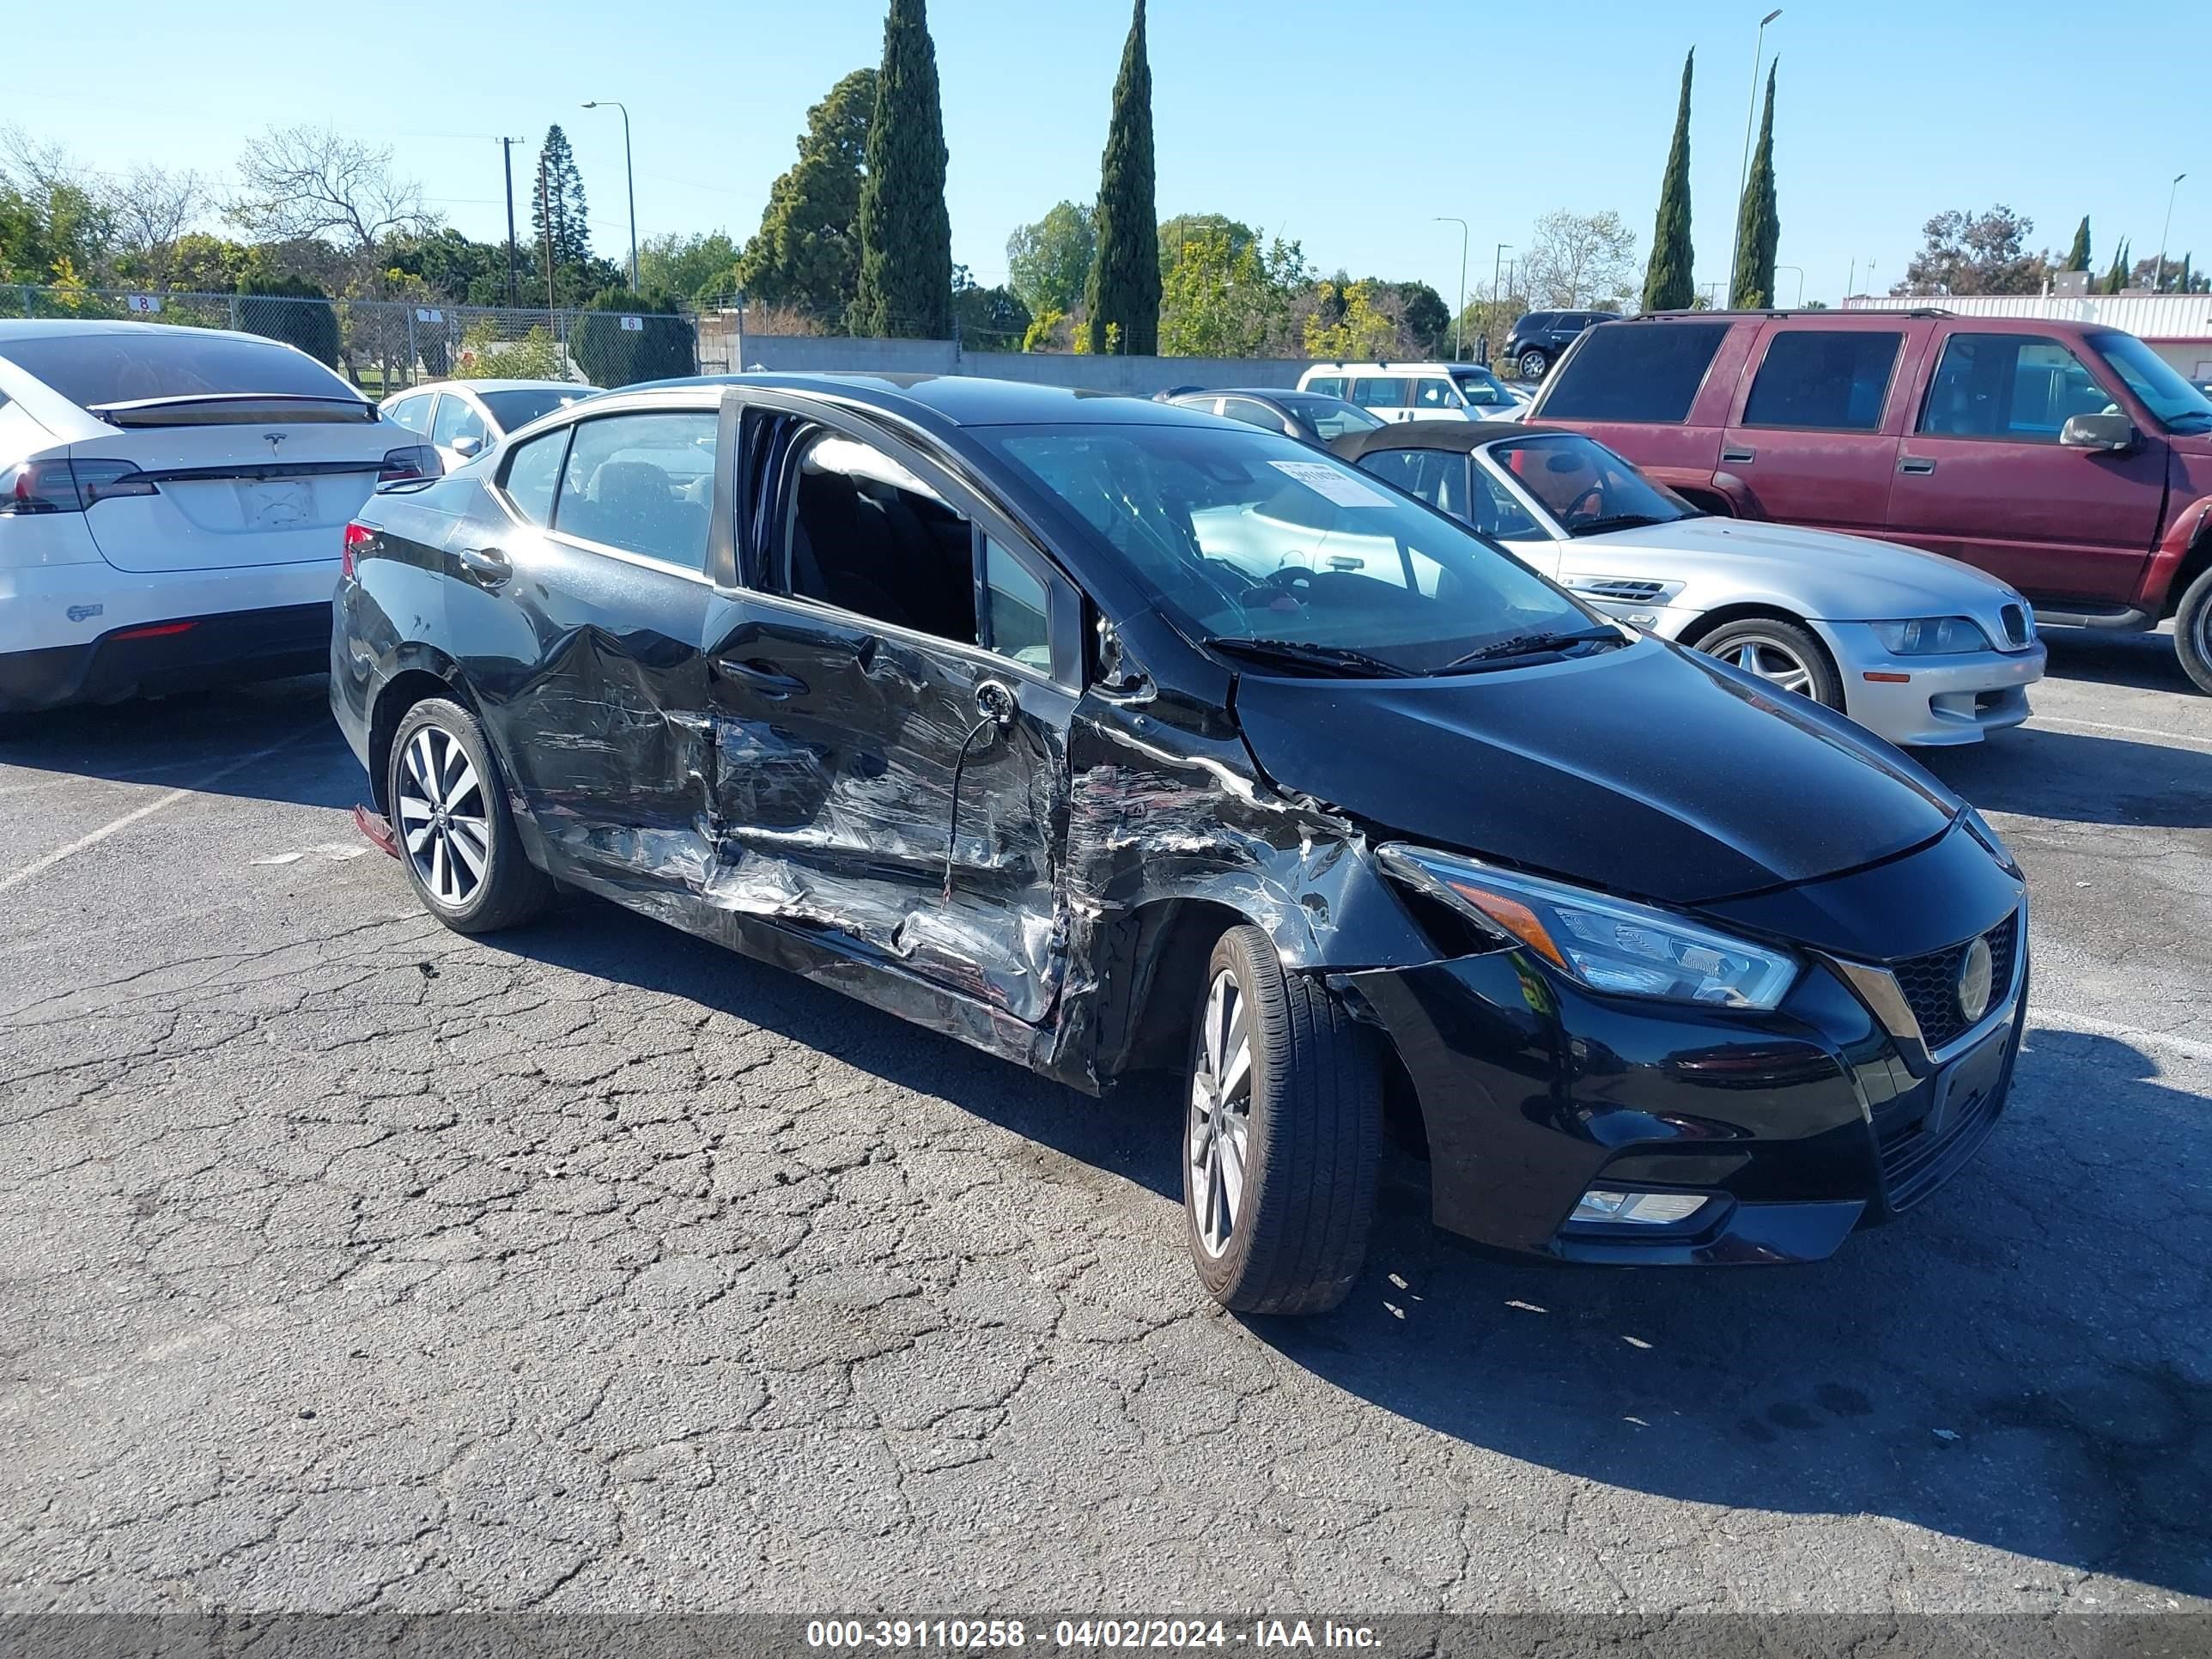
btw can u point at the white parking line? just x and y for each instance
(2132, 731)
(39, 865)
(2063, 1019)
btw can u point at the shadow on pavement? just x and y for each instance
(2082, 778)
(2021, 1362)
(2145, 661)
(180, 742)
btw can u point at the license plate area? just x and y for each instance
(1963, 1088)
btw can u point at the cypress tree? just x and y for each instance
(1668, 283)
(2077, 256)
(1124, 290)
(906, 235)
(2187, 284)
(1758, 226)
(561, 207)
(2117, 278)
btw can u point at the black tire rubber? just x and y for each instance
(514, 890)
(1542, 360)
(1316, 1135)
(1827, 685)
(2192, 631)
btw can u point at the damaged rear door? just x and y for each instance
(890, 686)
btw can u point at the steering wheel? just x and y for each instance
(1575, 513)
(1294, 580)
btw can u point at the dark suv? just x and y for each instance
(1539, 338)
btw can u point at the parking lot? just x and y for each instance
(345, 1262)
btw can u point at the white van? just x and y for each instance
(1416, 392)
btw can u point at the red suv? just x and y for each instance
(2072, 461)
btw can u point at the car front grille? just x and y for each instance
(1931, 983)
(2015, 625)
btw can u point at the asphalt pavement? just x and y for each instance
(348, 1263)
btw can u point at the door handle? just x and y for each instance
(1917, 465)
(764, 678)
(1739, 457)
(488, 564)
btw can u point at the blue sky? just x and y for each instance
(1336, 125)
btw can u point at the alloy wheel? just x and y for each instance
(443, 816)
(1772, 660)
(1532, 366)
(1221, 1115)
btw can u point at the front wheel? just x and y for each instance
(2192, 631)
(1533, 363)
(1282, 1137)
(456, 836)
(1781, 654)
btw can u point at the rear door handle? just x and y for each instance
(1916, 465)
(1739, 457)
(764, 678)
(488, 564)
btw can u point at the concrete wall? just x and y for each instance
(720, 353)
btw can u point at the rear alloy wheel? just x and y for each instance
(2192, 631)
(455, 833)
(1533, 364)
(1282, 1137)
(1781, 654)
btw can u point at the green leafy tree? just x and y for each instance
(1226, 299)
(201, 263)
(291, 309)
(536, 356)
(665, 345)
(1048, 262)
(906, 234)
(807, 255)
(988, 319)
(1349, 327)
(1669, 283)
(696, 266)
(451, 268)
(1984, 252)
(1123, 293)
(1757, 225)
(2077, 256)
(1181, 230)
(558, 217)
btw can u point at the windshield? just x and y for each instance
(1247, 537)
(1329, 417)
(1585, 487)
(92, 370)
(1481, 387)
(514, 408)
(2178, 406)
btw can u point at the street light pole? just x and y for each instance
(1495, 295)
(2159, 285)
(1800, 270)
(1750, 115)
(1459, 312)
(629, 177)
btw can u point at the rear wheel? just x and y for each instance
(1533, 364)
(1282, 1136)
(2192, 631)
(456, 836)
(1781, 654)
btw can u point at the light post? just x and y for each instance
(1504, 248)
(1459, 311)
(2159, 285)
(1800, 270)
(629, 177)
(1750, 115)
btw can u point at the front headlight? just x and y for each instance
(1607, 943)
(1931, 636)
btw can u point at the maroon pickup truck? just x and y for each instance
(2071, 460)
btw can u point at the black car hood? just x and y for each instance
(1648, 770)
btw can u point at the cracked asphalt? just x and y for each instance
(346, 1263)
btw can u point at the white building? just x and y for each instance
(2177, 327)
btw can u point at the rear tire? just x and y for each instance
(1282, 1136)
(1781, 654)
(2192, 631)
(456, 836)
(1535, 364)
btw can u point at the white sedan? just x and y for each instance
(464, 419)
(1921, 649)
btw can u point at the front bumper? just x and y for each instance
(1798, 1125)
(1931, 702)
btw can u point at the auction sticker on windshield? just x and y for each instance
(1340, 487)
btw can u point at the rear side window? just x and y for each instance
(1439, 476)
(532, 472)
(643, 484)
(456, 419)
(1252, 413)
(1329, 385)
(1382, 392)
(96, 370)
(1835, 379)
(1648, 372)
(412, 413)
(1434, 394)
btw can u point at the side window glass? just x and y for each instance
(1404, 468)
(1433, 393)
(1381, 391)
(1020, 610)
(644, 484)
(1252, 413)
(2012, 387)
(1644, 372)
(1833, 380)
(1497, 513)
(532, 470)
(865, 535)
(456, 419)
(1329, 385)
(413, 413)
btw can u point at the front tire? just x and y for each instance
(1534, 365)
(456, 836)
(1282, 1136)
(2192, 631)
(1781, 654)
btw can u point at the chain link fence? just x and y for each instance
(384, 346)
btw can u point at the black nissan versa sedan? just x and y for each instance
(1109, 735)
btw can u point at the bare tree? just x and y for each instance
(151, 208)
(1578, 260)
(301, 182)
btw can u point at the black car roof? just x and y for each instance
(1461, 436)
(958, 400)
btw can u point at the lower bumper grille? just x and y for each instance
(1915, 1162)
